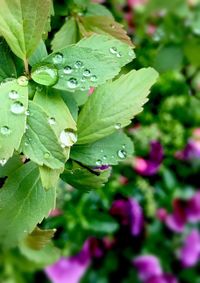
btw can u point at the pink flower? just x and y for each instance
(190, 252)
(150, 166)
(147, 266)
(135, 3)
(71, 269)
(129, 214)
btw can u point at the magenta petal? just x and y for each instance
(193, 208)
(70, 270)
(164, 278)
(147, 266)
(137, 220)
(190, 252)
(176, 221)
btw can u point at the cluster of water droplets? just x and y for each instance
(74, 71)
(121, 153)
(67, 138)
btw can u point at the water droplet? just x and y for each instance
(26, 144)
(52, 121)
(27, 127)
(93, 78)
(27, 113)
(122, 153)
(113, 50)
(119, 55)
(46, 155)
(13, 94)
(58, 58)
(104, 157)
(68, 138)
(99, 162)
(196, 31)
(45, 74)
(83, 88)
(22, 81)
(5, 131)
(86, 73)
(17, 107)
(3, 161)
(83, 80)
(118, 126)
(72, 83)
(123, 146)
(131, 53)
(78, 64)
(101, 150)
(68, 70)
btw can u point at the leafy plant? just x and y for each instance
(49, 126)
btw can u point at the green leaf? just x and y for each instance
(102, 223)
(84, 179)
(95, 9)
(39, 54)
(68, 34)
(38, 238)
(109, 150)
(40, 143)
(23, 204)
(49, 177)
(13, 106)
(7, 66)
(23, 23)
(114, 48)
(114, 104)
(42, 258)
(11, 165)
(106, 25)
(169, 58)
(82, 66)
(191, 50)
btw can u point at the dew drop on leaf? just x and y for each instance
(13, 94)
(58, 58)
(17, 108)
(67, 138)
(86, 73)
(22, 81)
(27, 113)
(122, 153)
(99, 162)
(68, 70)
(45, 75)
(3, 161)
(118, 126)
(46, 155)
(78, 64)
(5, 131)
(119, 55)
(72, 83)
(52, 121)
(104, 157)
(113, 50)
(93, 78)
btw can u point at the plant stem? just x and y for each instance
(26, 66)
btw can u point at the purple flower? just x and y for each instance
(193, 208)
(150, 166)
(148, 266)
(177, 220)
(164, 278)
(190, 252)
(129, 213)
(190, 152)
(183, 212)
(71, 269)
